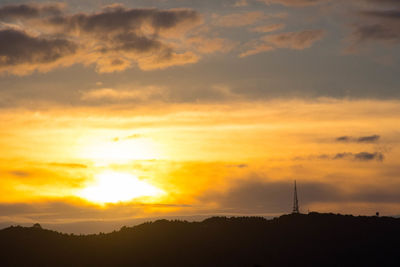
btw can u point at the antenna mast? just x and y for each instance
(295, 201)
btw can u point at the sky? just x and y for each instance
(113, 113)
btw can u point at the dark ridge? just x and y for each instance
(290, 240)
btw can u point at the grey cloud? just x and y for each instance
(240, 166)
(377, 32)
(366, 156)
(10, 12)
(342, 155)
(368, 139)
(120, 29)
(294, 3)
(343, 139)
(133, 42)
(22, 48)
(70, 210)
(254, 196)
(111, 39)
(119, 18)
(362, 139)
(379, 23)
(385, 2)
(19, 173)
(295, 40)
(291, 40)
(257, 196)
(361, 156)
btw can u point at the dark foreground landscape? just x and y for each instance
(290, 240)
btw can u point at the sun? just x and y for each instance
(114, 187)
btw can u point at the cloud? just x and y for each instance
(366, 156)
(361, 139)
(113, 39)
(294, 3)
(362, 156)
(240, 166)
(241, 3)
(268, 28)
(295, 40)
(20, 11)
(290, 40)
(254, 195)
(342, 155)
(68, 165)
(368, 139)
(239, 19)
(211, 45)
(256, 49)
(72, 210)
(343, 139)
(20, 173)
(112, 94)
(133, 136)
(379, 23)
(118, 19)
(169, 60)
(385, 2)
(32, 52)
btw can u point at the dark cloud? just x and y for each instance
(257, 196)
(290, 40)
(368, 139)
(254, 196)
(342, 155)
(295, 40)
(343, 139)
(294, 3)
(73, 210)
(385, 2)
(120, 19)
(361, 156)
(362, 139)
(240, 166)
(366, 156)
(380, 23)
(20, 173)
(22, 48)
(112, 39)
(10, 12)
(134, 42)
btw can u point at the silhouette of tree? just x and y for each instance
(291, 240)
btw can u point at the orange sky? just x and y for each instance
(200, 161)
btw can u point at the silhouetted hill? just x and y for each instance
(290, 240)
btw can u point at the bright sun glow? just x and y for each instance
(105, 152)
(114, 187)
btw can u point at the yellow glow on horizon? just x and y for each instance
(118, 152)
(114, 187)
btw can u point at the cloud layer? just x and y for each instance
(290, 40)
(43, 36)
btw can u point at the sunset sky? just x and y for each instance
(113, 112)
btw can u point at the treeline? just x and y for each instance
(290, 240)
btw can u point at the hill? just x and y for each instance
(290, 240)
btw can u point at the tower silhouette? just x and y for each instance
(295, 201)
